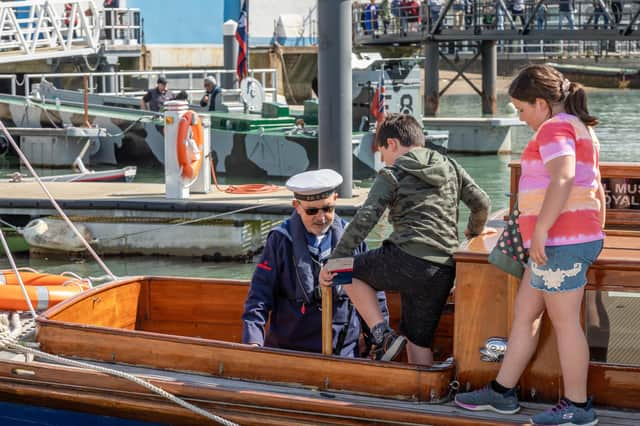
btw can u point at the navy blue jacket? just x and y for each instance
(283, 286)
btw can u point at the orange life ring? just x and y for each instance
(42, 297)
(8, 277)
(190, 156)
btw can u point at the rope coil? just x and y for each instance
(10, 333)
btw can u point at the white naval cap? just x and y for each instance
(314, 184)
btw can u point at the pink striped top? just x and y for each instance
(579, 221)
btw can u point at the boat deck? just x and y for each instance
(345, 404)
(148, 200)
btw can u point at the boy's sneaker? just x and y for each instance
(486, 399)
(567, 414)
(391, 346)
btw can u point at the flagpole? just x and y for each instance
(248, 64)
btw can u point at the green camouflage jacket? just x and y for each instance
(422, 191)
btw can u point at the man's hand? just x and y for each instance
(326, 277)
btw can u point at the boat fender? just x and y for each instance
(189, 144)
(54, 234)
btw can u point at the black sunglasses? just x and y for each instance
(312, 211)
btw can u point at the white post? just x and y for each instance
(175, 186)
(202, 185)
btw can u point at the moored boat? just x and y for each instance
(184, 334)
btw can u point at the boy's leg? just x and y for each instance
(365, 299)
(422, 305)
(419, 355)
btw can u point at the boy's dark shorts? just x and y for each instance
(423, 286)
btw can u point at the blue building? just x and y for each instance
(188, 33)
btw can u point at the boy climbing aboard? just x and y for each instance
(422, 189)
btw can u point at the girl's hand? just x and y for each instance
(326, 277)
(536, 251)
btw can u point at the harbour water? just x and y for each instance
(618, 134)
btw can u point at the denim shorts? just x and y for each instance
(566, 267)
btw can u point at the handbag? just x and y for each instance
(509, 255)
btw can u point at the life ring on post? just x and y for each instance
(189, 145)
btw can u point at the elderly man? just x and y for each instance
(155, 98)
(285, 289)
(212, 91)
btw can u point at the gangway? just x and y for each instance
(43, 29)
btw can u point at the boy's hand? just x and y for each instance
(325, 277)
(485, 231)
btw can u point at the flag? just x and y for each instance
(377, 105)
(242, 68)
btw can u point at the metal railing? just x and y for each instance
(123, 83)
(13, 81)
(33, 29)
(487, 16)
(120, 26)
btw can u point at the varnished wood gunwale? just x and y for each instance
(85, 390)
(225, 359)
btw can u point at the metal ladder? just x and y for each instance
(42, 29)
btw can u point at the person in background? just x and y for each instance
(565, 12)
(156, 97)
(110, 16)
(182, 96)
(385, 15)
(541, 17)
(421, 188)
(371, 18)
(212, 91)
(284, 289)
(562, 214)
(459, 7)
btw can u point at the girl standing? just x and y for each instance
(562, 204)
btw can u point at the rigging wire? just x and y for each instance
(55, 204)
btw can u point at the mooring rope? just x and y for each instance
(9, 340)
(186, 222)
(12, 262)
(55, 204)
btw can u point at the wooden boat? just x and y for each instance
(183, 335)
(601, 76)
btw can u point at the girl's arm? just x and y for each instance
(562, 170)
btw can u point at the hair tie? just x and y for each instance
(566, 85)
